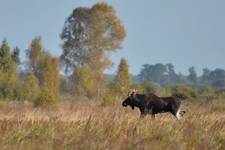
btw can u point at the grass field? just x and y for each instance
(88, 125)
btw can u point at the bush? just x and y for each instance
(207, 91)
(83, 81)
(7, 85)
(47, 97)
(31, 88)
(184, 91)
(167, 91)
(110, 98)
(151, 87)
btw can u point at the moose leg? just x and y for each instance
(153, 116)
(151, 113)
(182, 113)
(143, 113)
(175, 110)
(178, 115)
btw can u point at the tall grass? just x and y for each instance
(88, 125)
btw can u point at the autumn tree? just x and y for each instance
(31, 87)
(50, 80)
(89, 36)
(6, 61)
(83, 82)
(46, 70)
(16, 55)
(35, 54)
(119, 86)
(122, 80)
(7, 71)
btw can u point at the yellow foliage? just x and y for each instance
(31, 87)
(83, 81)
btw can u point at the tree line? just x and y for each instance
(164, 74)
(89, 36)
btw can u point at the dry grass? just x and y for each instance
(88, 125)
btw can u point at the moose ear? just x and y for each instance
(133, 93)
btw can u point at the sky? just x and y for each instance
(182, 32)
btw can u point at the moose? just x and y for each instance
(152, 104)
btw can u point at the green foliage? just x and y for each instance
(151, 87)
(31, 88)
(46, 70)
(167, 91)
(207, 91)
(154, 73)
(6, 61)
(121, 83)
(184, 91)
(7, 82)
(192, 75)
(46, 97)
(49, 82)
(214, 78)
(89, 36)
(35, 54)
(7, 72)
(27, 89)
(110, 98)
(16, 55)
(119, 86)
(163, 74)
(83, 81)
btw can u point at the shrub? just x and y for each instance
(207, 91)
(184, 91)
(152, 87)
(47, 97)
(83, 81)
(7, 85)
(31, 88)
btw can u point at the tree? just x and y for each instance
(89, 36)
(31, 87)
(205, 78)
(151, 87)
(217, 78)
(119, 86)
(35, 55)
(90, 32)
(83, 82)
(172, 76)
(7, 71)
(156, 73)
(46, 70)
(192, 75)
(184, 91)
(6, 61)
(50, 80)
(16, 55)
(121, 83)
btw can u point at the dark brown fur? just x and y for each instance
(152, 104)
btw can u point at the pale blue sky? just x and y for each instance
(182, 32)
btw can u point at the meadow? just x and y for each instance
(89, 125)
